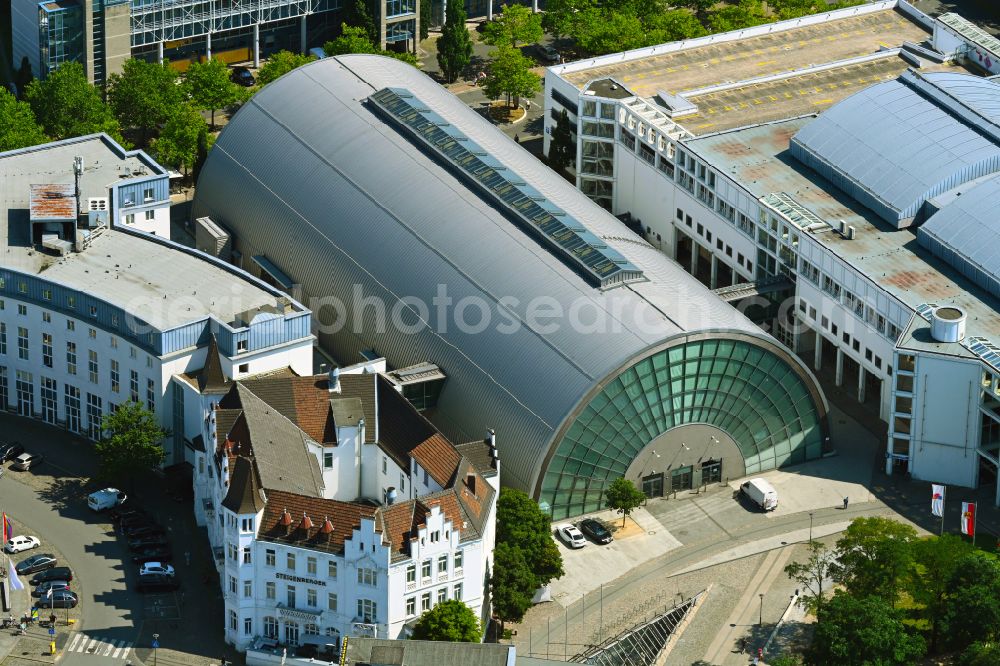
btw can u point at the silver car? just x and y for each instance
(26, 461)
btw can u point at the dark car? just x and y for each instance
(156, 583)
(120, 514)
(43, 588)
(55, 573)
(151, 554)
(141, 543)
(595, 530)
(548, 54)
(140, 531)
(135, 522)
(10, 451)
(242, 76)
(35, 563)
(60, 599)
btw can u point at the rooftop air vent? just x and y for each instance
(948, 324)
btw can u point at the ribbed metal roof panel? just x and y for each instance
(341, 200)
(895, 144)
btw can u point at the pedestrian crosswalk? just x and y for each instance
(96, 645)
(678, 515)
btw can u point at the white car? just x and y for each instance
(19, 543)
(571, 536)
(156, 568)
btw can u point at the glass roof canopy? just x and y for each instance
(581, 249)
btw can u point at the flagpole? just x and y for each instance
(975, 517)
(944, 491)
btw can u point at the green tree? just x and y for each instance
(454, 45)
(205, 141)
(512, 583)
(131, 443)
(623, 497)
(143, 96)
(352, 39)
(561, 16)
(873, 555)
(450, 621)
(862, 632)
(562, 148)
(280, 64)
(700, 7)
(209, 86)
(785, 660)
(600, 32)
(736, 17)
(18, 128)
(511, 76)
(813, 575)
(425, 18)
(361, 14)
(177, 145)
(23, 76)
(981, 654)
(66, 105)
(516, 25)
(935, 560)
(672, 26)
(973, 603)
(522, 525)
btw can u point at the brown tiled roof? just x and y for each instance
(211, 379)
(398, 527)
(344, 516)
(480, 455)
(437, 455)
(245, 494)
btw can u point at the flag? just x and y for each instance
(937, 500)
(8, 530)
(969, 518)
(15, 582)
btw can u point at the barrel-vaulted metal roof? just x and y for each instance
(311, 174)
(966, 233)
(898, 143)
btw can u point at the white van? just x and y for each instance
(761, 493)
(107, 498)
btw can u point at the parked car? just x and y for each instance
(62, 599)
(55, 585)
(140, 531)
(154, 567)
(21, 543)
(595, 530)
(26, 461)
(571, 536)
(156, 583)
(153, 554)
(106, 498)
(35, 563)
(135, 520)
(242, 76)
(548, 54)
(10, 451)
(55, 573)
(141, 543)
(761, 493)
(119, 514)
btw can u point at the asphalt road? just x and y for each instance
(110, 613)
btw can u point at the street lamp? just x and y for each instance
(810, 527)
(760, 622)
(156, 644)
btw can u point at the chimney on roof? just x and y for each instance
(470, 482)
(286, 521)
(306, 524)
(327, 528)
(491, 440)
(333, 381)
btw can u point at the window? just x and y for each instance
(269, 557)
(291, 632)
(22, 309)
(443, 564)
(246, 525)
(425, 601)
(680, 214)
(130, 217)
(248, 588)
(290, 561)
(328, 460)
(425, 569)
(366, 576)
(47, 349)
(151, 395)
(147, 194)
(442, 595)
(47, 317)
(290, 596)
(857, 346)
(3, 338)
(411, 574)
(411, 606)
(385, 465)
(22, 343)
(70, 325)
(458, 560)
(331, 601)
(150, 214)
(50, 400)
(312, 629)
(94, 414)
(232, 620)
(115, 376)
(269, 590)
(426, 479)
(133, 385)
(812, 312)
(271, 627)
(868, 355)
(232, 585)
(244, 368)
(113, 339)
(242, 346)
(834, 329)
(458, 592)
(311, 565)
(333, 633)
(248, 626)
(331, 569)
(246, 554)
(311, 598)
(72, 402)
(25, 393)
(367, 610)
(92, 365)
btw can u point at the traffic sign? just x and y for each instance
(52, 631)
(156, 643)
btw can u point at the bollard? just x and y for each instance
(52, 647)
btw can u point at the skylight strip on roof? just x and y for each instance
(581, 248)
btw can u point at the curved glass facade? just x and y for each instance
(734, 385)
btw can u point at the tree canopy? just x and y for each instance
(131, 444)
(143, 96)
(512, 583)
(177, 145)
(18, 127)
(210, 87)
(455, 44)
(355, 40)
(873, 555)
(862, 632)
(450, 620)
(813, 575)
(623, 497)
(972, 611)
(280, 64)
(510, 75)
(516, 25)
(521, 523)
(66, 105)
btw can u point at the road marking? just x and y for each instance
(122, 650)
(76, 639)
(705, 125)
(766, 62)
(108, 649)
(823, 101)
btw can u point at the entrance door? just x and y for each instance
(652, 485)
(680, 479)
(711, 472)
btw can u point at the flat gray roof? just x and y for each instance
(759, 158)
(164, 284)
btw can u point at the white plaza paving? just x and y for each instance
(98, 646)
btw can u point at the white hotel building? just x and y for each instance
(335, 509)
(867, 234)
(95, 313)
